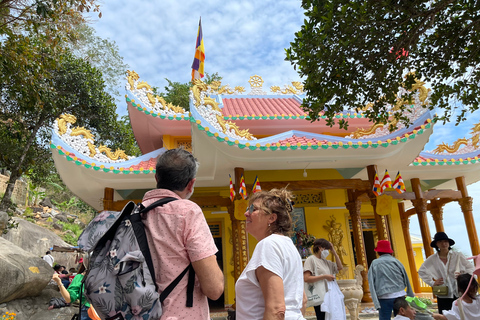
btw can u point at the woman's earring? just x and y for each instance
(269, 224)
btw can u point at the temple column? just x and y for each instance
(466, 203)
(239, 233)
(380, 221)
(436, 210)
(354, 206)
(408, 246)
(239, 241)
(420, 205)
(108, 199)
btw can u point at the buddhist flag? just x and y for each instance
(256, 185)
(386, 182)
(198, 61)
(376, 185)
(243, 189)
(232, 190)
(399, 185)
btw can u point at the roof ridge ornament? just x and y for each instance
(82, 140)
(211, 112)
(418, 107)
(469, 145)
(147, 96)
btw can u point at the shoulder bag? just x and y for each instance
(312, 290)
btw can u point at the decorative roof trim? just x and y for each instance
(334, 144)
(70, 156)
(148, 111)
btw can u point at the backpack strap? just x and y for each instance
(174, 283)
(139, 230)
(142, 238)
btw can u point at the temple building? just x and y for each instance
(269, 137)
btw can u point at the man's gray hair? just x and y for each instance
(175, 169)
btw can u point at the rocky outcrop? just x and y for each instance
(36, 308)
(3, 220)
(23, 274)
(37, 240)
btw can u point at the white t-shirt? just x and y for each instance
(277, 254)
(49, 259)
(471, 310)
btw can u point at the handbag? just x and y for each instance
(440, 290)
(313, 292)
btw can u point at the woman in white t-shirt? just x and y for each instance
(271, 286)
(317, 269)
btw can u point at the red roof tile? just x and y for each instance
(263, 106)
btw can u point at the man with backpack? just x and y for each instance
(178, 235)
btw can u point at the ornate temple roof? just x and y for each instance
(254, 131)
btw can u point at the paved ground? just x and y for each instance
(222, 314)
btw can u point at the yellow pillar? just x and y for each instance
(354, 206)
(408, 245)
(466, 203)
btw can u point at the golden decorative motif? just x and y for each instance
(256, 81)
(335, 235)
(132, 76)
(360, 132)
(296, 88)
(62, 129)
(217, 87)
(422, 96)
(198, 87)
(456, 145)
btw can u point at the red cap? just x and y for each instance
(384, 246)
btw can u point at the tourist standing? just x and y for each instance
(442, 269)
(317, 269)
(48, 258)
(387, 279)
(178, 235)
(271, 285)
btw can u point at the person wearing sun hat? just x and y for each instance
(443, 267)
(387, 279)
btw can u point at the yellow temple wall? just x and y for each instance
(317, 218)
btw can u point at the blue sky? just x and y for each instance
(242, 39)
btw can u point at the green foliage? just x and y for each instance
(355, 52)
(177, 93)
(75, 228)
(427, 301)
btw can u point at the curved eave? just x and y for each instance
(88, 178)
(149, 127)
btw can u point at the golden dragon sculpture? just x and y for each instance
(475, 132)
(422, 96)
(198, 87)
(295, 88)
(132, 76)
(87, 134)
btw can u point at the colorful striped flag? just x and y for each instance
(376, 185)
(198, 61)
(386, 182)
(232, 190)
(399, 185)
(243, 189)
(256, 185)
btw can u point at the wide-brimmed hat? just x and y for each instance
(384, 246)
(441, 236)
